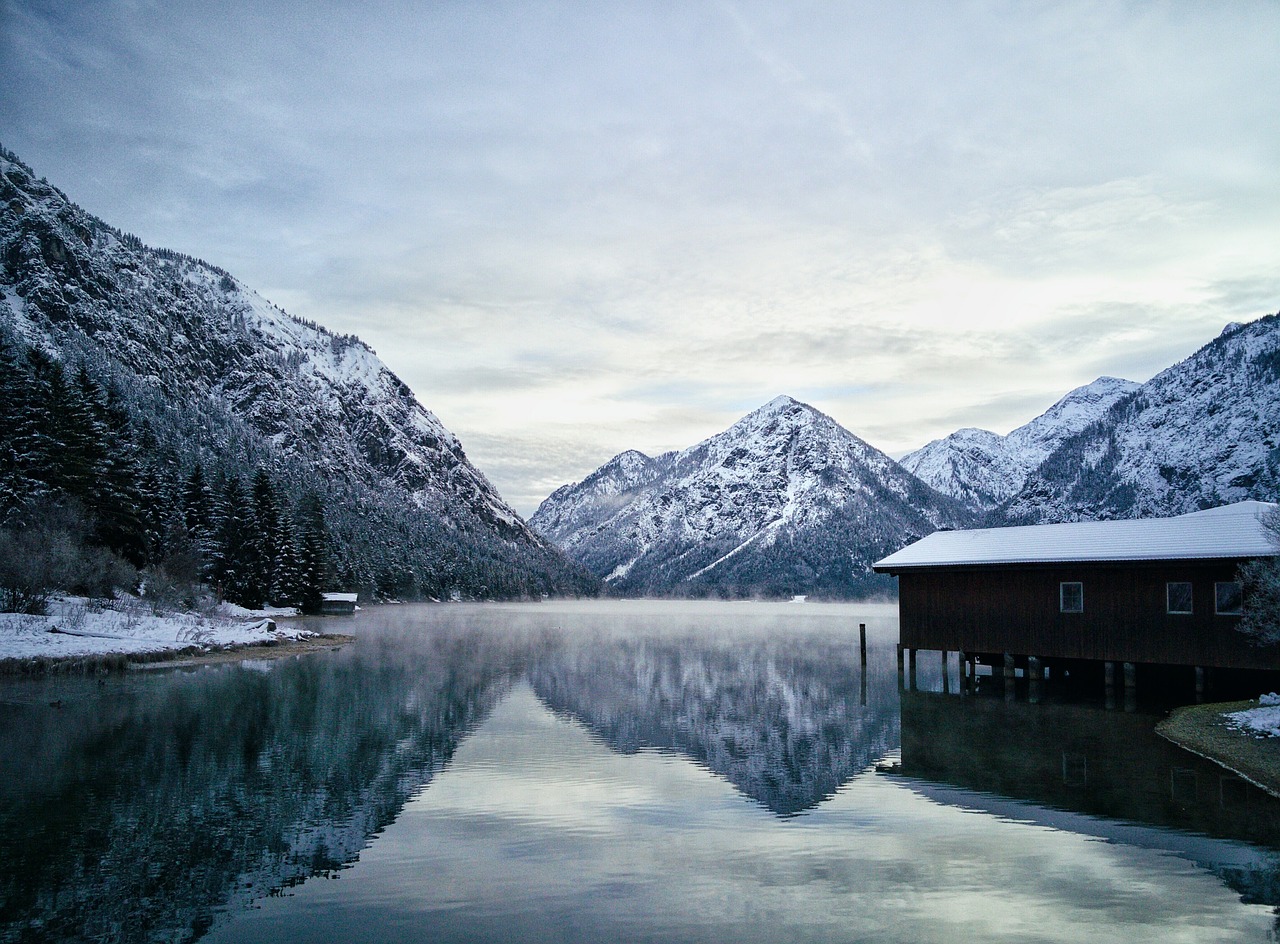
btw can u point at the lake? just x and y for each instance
(599, 772)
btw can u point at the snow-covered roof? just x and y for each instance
(339, 597)
(1227, 532)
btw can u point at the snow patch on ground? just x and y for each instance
(1263, 721)
(76, 627)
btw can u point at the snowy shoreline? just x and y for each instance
(79, 634)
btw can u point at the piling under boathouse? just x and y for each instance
(1151, 591)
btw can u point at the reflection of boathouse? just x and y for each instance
(1157, 591)
(1097, 773)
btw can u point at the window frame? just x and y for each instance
(1062, 596)
(1168, 598)
(1217, 597)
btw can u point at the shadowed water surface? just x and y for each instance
(600, 772)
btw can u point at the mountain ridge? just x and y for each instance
(785, 501)
(983, 469)
(1201, 433)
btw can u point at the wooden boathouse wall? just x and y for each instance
(1015, 608)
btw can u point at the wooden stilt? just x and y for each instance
(1035, 679)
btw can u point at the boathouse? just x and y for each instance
(338, 604)
(1161, 591)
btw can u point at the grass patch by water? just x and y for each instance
(1202, 729)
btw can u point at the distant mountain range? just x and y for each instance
(786, 501)
(206, 373)
(210, 372)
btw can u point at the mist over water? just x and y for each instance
(609, 771)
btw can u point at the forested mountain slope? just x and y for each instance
(198, 372)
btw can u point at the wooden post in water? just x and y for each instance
(1035, 679)
(946, 675)
(962, 671)
(862, 642)
(1010, 676)
(911, 668)
(1200, 683)
(900, 669)
(1109, 681)
(1130, 687)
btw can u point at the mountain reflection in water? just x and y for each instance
(135, 808)
(543, 759)
(782, 717)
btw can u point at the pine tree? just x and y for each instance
(233, 564)
(20, 437)
(266, 522)
(197, 512)
(314, 555)
(287, 589)
(116, 495)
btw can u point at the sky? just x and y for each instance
(578, 228)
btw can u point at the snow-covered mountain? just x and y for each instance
(1202, 433)
(599, 496)
(217, 373)
(981, 468)
(785, 501)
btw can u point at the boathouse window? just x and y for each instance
(1071, 597)
(1178, 597)
(1228, 598)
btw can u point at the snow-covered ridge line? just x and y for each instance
(1200, 434)
(982, 468)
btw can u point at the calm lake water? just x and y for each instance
(610, 772)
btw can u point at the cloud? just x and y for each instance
(620, 225)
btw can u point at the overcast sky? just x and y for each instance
(576, 228)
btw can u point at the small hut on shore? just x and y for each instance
(338, 604)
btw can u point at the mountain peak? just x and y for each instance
(756, 508)
(780, 402)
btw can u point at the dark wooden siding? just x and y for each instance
(1015, 609)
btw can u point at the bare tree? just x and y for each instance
(1261, 580)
